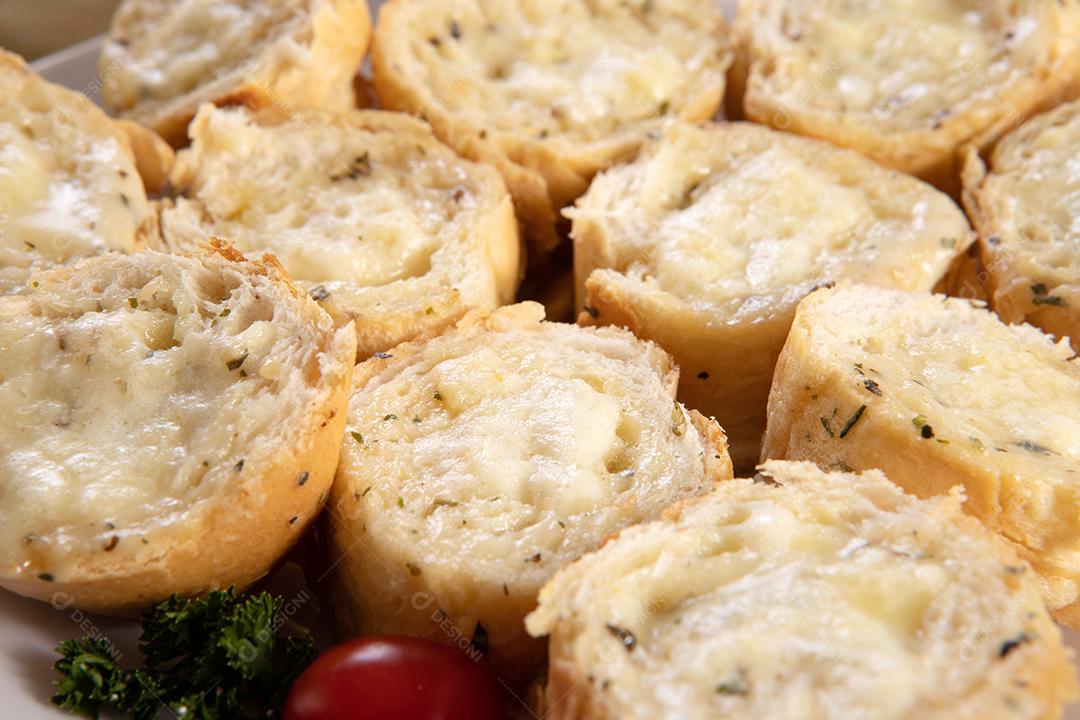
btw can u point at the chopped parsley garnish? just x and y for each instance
(852, 420)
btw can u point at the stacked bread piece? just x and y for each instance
(177, 413)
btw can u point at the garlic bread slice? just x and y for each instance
(803, 594)
(171, 424)
(939, 393)
(162, 59)
(907, 82)
(481, 461)
(69, 177)
(380, 222)
(1024, 201)
(549, 92)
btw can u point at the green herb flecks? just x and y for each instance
(852, 420)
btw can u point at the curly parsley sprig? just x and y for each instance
(211, 658)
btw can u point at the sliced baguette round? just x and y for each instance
(367, 211)
(904, 82)
(171, 425)
(938, 392)
(162, 59)
(1024, 201)
(708, 240)
(549, 93)
(69, 177)
(803, 594)
(480, 462)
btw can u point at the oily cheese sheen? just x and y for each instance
(549, 91)
(803, 594)
(164, 58)
(939, 392)
(708, 240)
(478, 463)
(173, 424)
(1024, 201)
(380, 222)
(907, 82)
(69, 183)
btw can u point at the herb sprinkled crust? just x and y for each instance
(163, 58)
(798, 594)
(1023, 201)
(952, 396)
(549, 92)
(708, 240)
(907, 83)
(377, 220)
(480, 462)
(69, 177)
(173, 425)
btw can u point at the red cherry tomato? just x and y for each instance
(394, 678)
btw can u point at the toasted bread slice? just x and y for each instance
(162, 59)
(172, 426)
(907, 82)
(939, 392)
(367, 211)
(1023, 202)
(480, 462)
(549, 93)
(803, 594)
(69, 177)
(708, 240)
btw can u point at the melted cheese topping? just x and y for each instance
(1008, 393)
(505, 453)
(136, 395)
(68, 185)
(738, 221)
(1032, 198)
(175, 47)
(340, 206)
(902, 64)
(572, 69)
(832, 596)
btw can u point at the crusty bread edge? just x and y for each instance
(248, 530)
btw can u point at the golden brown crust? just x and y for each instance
(238, 538)
(707, 379)
(544, 174)
(317, 74)
(931, 149)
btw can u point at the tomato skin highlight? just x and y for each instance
(384, 677)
